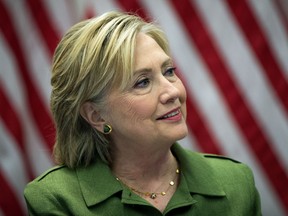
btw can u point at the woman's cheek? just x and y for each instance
(183, 94)
(136, 110)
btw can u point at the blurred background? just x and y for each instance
(231, 55)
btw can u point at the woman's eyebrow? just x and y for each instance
(167, 62)
(142, 70)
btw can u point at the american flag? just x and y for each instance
(232, 55)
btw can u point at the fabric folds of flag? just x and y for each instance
(231, 55)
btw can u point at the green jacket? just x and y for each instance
(209, 185)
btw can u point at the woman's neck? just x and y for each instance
(143, 167)
(149, 176)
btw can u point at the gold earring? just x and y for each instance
(107, 129)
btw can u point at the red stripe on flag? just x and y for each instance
(36, 106)
(9, 204)
(13, 124)
(44, 25)
(260, 46)
(258, 142)
(198, 126)
(89, 12)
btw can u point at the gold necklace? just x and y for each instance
(152, 195)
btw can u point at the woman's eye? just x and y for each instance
(170, 72)
(142, 83)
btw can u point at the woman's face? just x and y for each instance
(152, 109)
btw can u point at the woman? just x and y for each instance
(119, 109)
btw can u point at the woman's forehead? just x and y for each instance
(147, 50)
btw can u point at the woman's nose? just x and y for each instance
(169, 92)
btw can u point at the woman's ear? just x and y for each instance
(89, 112)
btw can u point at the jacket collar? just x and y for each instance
(198, 172)
(98, 183)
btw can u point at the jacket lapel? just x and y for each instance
(198, 173)
(97, 183)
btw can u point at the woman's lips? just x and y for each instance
(172, 115)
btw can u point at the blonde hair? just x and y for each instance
(93, 57)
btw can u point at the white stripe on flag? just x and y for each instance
(231, 44)
(11, 163)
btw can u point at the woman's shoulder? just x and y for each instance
(227, 166)
(53, 191)
(55, 177)
(217, 175)
(219, 158)
(221, 161)
(55, 172)
(219, 165)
